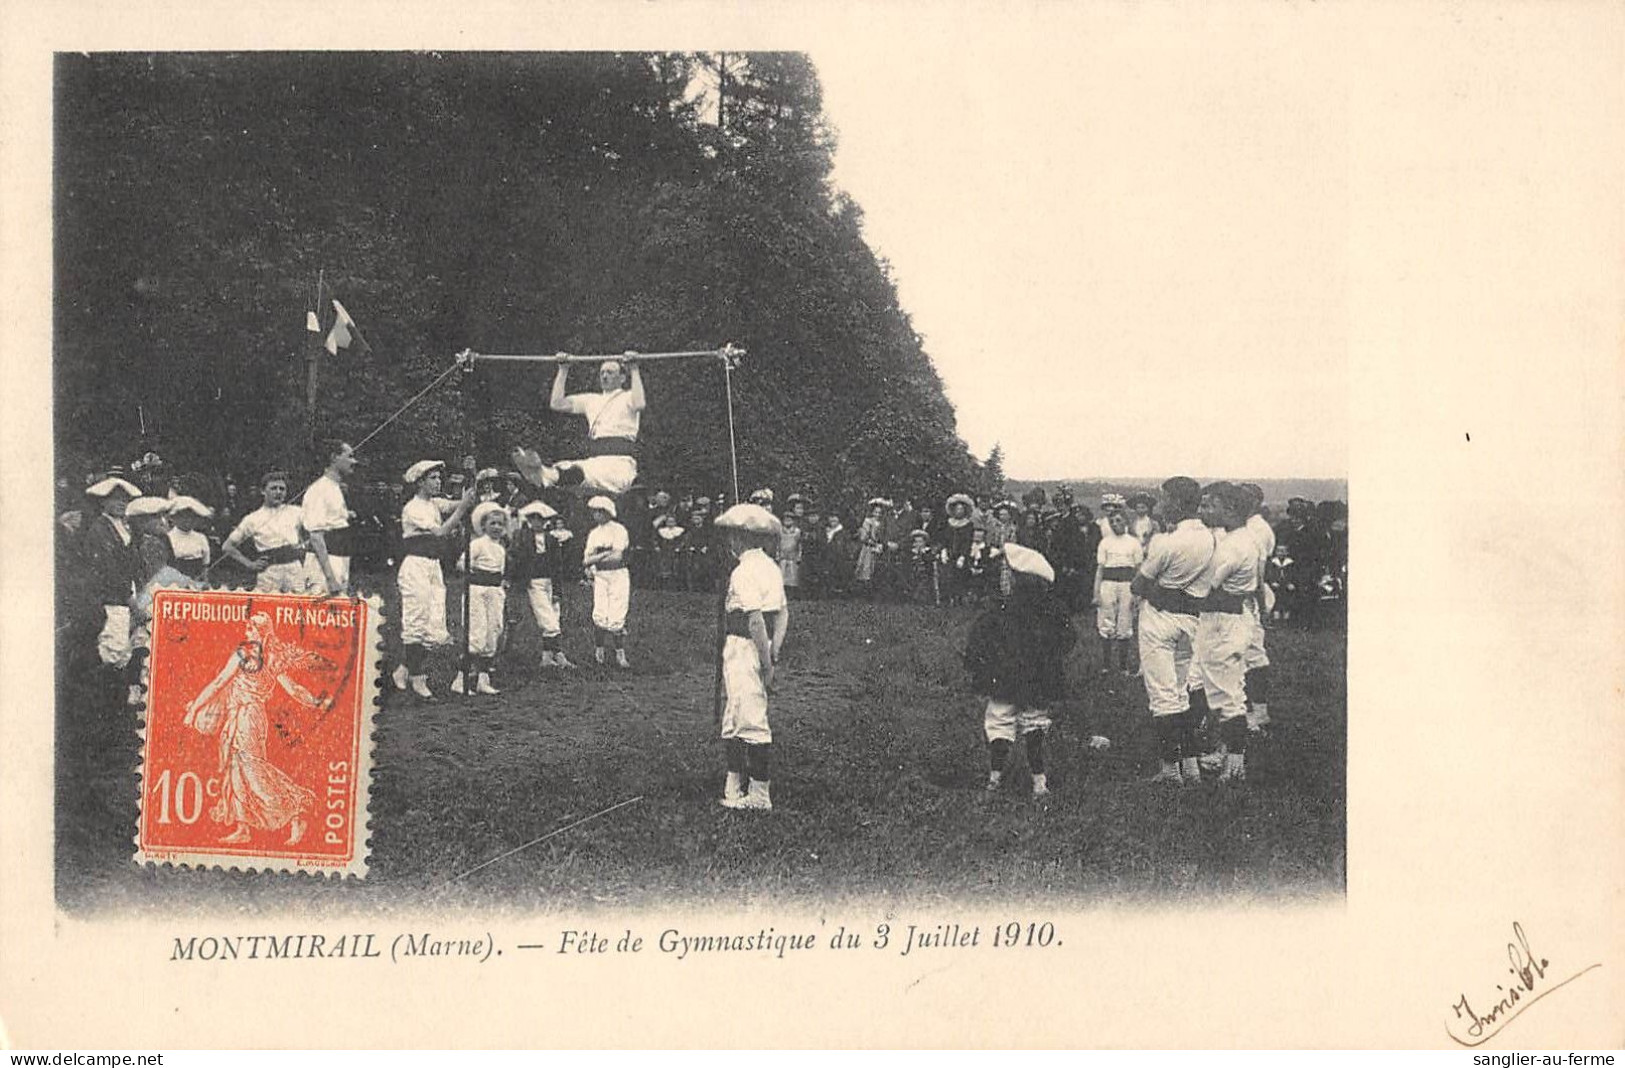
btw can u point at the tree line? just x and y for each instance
(589, 202)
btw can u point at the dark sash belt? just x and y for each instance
(1117, 574)
(425, 545)
(339, 542)
(1228, 603)
(1177, 602)
(190, 566)
(613, 447)
(485, 578)
(287, 554)
(610, 567)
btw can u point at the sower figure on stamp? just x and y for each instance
(254, 793)
(758, 617)
(1167, 627)
(426, 520)
(327, 521)
(613, 417)
(277, 531)
(1016, 654)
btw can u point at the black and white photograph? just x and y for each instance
(866, 509)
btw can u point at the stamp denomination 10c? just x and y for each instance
(257, 752)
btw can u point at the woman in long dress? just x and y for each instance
(254, 793)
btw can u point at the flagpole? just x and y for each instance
(313, 364)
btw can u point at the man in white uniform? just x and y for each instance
(1167, 626)
(1223, 631)
(758, 617)
(1116, 558)
(613, 415)
(604, 557)
(327, 520)
(426, 520)
(277, 531)
(1258, 661)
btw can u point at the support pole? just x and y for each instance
(642, 357)
(467, 661)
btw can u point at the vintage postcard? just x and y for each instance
(893, 525)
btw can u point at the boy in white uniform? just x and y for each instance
(1116, 559)
(758, 617)
(188, 544)
(613, 416)
(486, 567)
(278, 533)
(424, 523)
(604, 558)
(1167, 626)
(1223, 631)
(327, 520)
(536, 560)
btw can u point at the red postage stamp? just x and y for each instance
(257, 752)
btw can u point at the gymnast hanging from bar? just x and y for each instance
(613, 415)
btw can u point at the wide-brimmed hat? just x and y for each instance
(190, 504)
(537, 508)
(1028, 562)
(960, 498)
(114, 484)
(483, 511)
(143, 506)
(751, 518)
(602, 504)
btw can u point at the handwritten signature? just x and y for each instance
(1529, 984)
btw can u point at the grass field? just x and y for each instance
(877, 786)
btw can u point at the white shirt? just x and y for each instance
(189, 544)
(1233, 567)
(1264, 534)
(1175, 558)
(1120, 550)
(609, 415)
(324, 506)
(609, 535)
(756, 585)
(424, 516)
(271, 528)
(487, 554)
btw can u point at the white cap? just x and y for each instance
(752, 518)
(147, 506)
(109, 485)
(482, 511)
(603, 504)
(537, 508)
(1028, 561)
(485, 473)
(190, 504)
(421, 468)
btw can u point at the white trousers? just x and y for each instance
(1003, 719)
(1256, 656)
(744, 712)
(544, 605)
(316, 582)
(1115, 617)
(281, 578)
(613, 475)
(113, 644)
(611, 597)
(1220, 663)
(485, 604)
(423, 602)
(1167, 641)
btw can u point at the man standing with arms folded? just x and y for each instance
(1167, 626)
